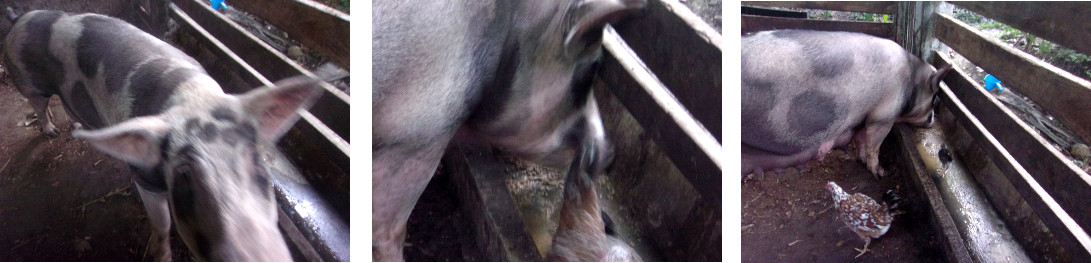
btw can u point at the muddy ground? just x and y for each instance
(62, 200)
(791, 218)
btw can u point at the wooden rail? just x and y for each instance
(329, 241)
(758, 11)
(1064, 23)
(1062, 179)
(943, 223)
(1058, 92)
(876, 7)
(752, 24)
(691, 147)
(311, 23)
(331, 108)
(498, 229)
(686, 55)
(1037, 171)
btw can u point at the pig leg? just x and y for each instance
(860, 139)
(828, 146)
(159, 217)
(399, 178)
(873, 137)
(40, 103)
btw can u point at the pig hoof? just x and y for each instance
(879, 174)
(52, 132)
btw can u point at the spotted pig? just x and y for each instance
(807, 92)
(193, 147)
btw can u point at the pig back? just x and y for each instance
(804, 88)
(104, 69)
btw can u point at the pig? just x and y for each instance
(193, 148)
(514, 75)
(582, 235)
(807, 92)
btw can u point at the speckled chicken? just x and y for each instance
(863, 215)
(582, 232)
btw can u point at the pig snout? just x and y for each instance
(253, 244)
(926, 120)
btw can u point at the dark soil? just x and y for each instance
(62, 200)
(437, 228)
(791, 218)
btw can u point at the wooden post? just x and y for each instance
(913, 27)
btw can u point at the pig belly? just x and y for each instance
(756, 159)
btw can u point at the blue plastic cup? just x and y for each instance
(993, 83)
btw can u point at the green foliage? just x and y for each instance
(1044, 48)
(869, 17)
(968, 17)
(1011, 33)
(991, 25)
(828, 15)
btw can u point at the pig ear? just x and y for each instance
(591, 16)
(933, 81)
(275, 108)
(135, 141)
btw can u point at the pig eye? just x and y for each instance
(182, 191)
(183, 170)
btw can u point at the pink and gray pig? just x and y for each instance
(807, 92)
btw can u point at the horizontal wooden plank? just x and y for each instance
(1064, 23)
(1043, 176)
(323, 232)
(757, 11)
(752, 24)
(1065, 96)
(478, 176)
(685, 53)
(694, 151)
(311, 23)
(953, 246)
(876, 7)
(332, 107)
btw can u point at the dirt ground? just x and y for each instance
(437, 226)
(62, 200)
(791, 218)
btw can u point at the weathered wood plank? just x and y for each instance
(752, 24)
(333, 105)
(1064, 23)
(757, 11)
(954, 246)
(643, 176)
(876, 7)
(322, 225)
(311, 23)
(1064, 95)
(685, 53)
(319, 232)
(690, 146)
(1043, 176)
(491, 209)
